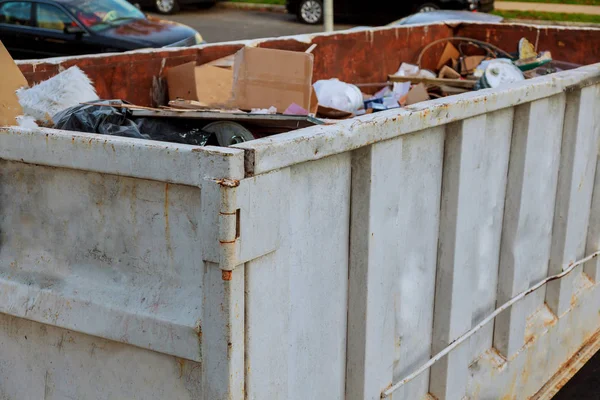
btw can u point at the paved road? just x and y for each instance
(558, 8)
(218, 25)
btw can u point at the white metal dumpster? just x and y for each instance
(325, 263)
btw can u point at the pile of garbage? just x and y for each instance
(259, 91)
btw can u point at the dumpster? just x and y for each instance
(336, 261)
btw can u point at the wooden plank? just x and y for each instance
(395, 214)
(470, 226)
(463, 83)
(574, 193)
(528, 213)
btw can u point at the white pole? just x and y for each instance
(328, 15)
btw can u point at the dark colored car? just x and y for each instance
(311, 11)
(50, 28)
(171, 6)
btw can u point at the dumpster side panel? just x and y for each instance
(38, 361)
(495, 207)
(396, 188)
(296, 297)
(77, 245)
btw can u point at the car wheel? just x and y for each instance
(427, 7)
(167, 6)
(311, 11)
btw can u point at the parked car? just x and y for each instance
(171, 6)
(447, 15)
(50, 28)
(311, 11)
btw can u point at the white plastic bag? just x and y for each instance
(336, 94)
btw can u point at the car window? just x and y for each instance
(99, 15)
(51, 17)
(16, 13)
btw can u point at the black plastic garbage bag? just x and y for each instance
(112, 119)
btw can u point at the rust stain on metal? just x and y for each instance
(226, 275)
(226, 182)
(181, 363)
(198, 329)
(569, 368)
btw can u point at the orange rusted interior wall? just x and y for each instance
(356, 57)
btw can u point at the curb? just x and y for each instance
(554, 23)
(252, 6)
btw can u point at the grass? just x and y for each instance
(281, 2)
(579, 2)
(548, 16)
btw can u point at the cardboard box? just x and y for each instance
(11, 79)
(264, 77)
(208, 85)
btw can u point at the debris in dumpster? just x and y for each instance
(67, 89)
(417, 94)
(270, 110)
(229, 133)
(108, 118)
(448, 73)
(529, 64)
(274, 123)
(464, 83)
(332, 113)
(11, 80)
(207, 85)
(526, 49)
(295, 109)
(498, 73)
(450, 53)
(468, 64)
(265, 77)
(338, 95)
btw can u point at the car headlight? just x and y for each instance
(199, 39)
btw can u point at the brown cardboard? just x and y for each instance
(225, 62)
(417, 94)
(265, 77)
(449, 53)
(11, 79)
(447, 72)
(470, 63)
(314, 101)
(208, 85)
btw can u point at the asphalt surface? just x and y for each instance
(221, 25)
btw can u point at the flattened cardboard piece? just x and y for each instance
(208, 85)
(448, 54)
(417, 94)
(11, 79)
(265, 77)
(470, 63)
(448, 73)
